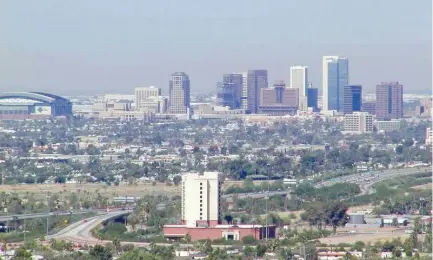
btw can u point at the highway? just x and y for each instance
(42, 215)
(374, 177)
(80, 232)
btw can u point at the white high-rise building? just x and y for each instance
(358, 122)
(299, 79)
(201, 199)
(335, 75)
(142, 94)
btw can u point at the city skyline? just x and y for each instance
(86, 48)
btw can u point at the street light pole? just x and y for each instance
(25, 229)
(48, 216)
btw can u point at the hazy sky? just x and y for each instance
(96, 46)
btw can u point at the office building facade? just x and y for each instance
(369, 107)
(335, 75)
(144, 93)
(358, 122)
(256, 81)
(388, 126)
(352, 99)
(424, 108)
(179, 96)
(389, 101)
(312, 99)
(299, 79)
(201, 199)
(229, 91)
(279, 100)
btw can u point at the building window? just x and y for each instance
(201, 192)
(201, 200)
(201, 197)
(201, 214)
(201, 188)
(201, 205)
(201, 209)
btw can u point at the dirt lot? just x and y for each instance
(121, 190)
(369, 237)
(423, 187)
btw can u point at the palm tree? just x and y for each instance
(117, 245)
(187, 240)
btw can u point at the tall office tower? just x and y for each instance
(358, 122)
(201, 199)
(226, 95)
(279, 100)
(299, 79)
(244, 94)
(229, 91)
(335, 77)
(256, 80)
(144, 93)
(389, 101)
(312, 98)
(179, 96)
(352, 98)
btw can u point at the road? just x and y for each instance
(42, 215)
(375, 177)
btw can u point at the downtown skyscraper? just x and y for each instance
(352, 99)
(335, 76)
(389, 101)
(179, 93)
(229, 91)
(299, 79)
(256, 81)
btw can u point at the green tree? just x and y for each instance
(261, 250)
(249, 251)
(22, 254)
(286, 254)
(101, 253)
(335, 214)
(248, 240)
(218, 254)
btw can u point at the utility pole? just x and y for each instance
(25, 229)
(266, 203)
(48, 217)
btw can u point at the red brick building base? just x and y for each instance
(219, 231)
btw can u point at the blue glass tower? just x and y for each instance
(337, 76)
(352, 98)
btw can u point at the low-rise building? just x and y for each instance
(429, 136)
(387, 126)
(358, 122)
